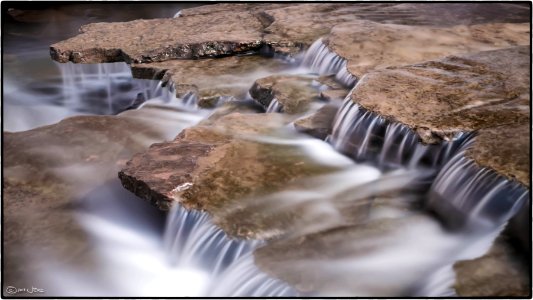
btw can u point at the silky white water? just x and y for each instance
(137, 255)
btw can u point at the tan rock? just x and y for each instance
(504, 149)
(369, 46)
(318, 124)
(442, 97)
(198, 36)
(294, 93)
(227, 29)
(212, 165)
(499, 273)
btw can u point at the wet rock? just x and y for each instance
(499, 273)
(209, 78)
(212, 30)
(318, 124)
(334, 95)
(198, 36)
(231, 7)
(209, 166)
(440, 98)
(341, 261)
(517, 230)
(46, 171)
(329, 82)
(504, 150)
(294, 93)
(368, 46)
(316, 20)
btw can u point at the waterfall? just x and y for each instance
(189, 100)
(103, 88)
(323, 61)
(466, 195)
(244, 279)
(109, 88)
(345, 77)
(192, 240)
(274, 106)
(366, 136)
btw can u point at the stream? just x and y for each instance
(140, 251)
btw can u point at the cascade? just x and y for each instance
(466, 195)
(366, 136)
(109, 88)
(274, 106)
(323, 61)
(189, 100)
(103, 88)
(191, 239)
(244, 279)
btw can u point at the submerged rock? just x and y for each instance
(47, 170)
(499, 273)
(318, 124)
(369, 259)
(294, 93)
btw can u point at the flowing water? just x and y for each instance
(365, 136)
(190, 256)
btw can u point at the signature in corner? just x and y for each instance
(14, 290)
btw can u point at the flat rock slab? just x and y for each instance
(209, 78)
(199, 36)
(440, 98)
(212, 165)
(304, 23)
(369, 46)
(227, 29)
